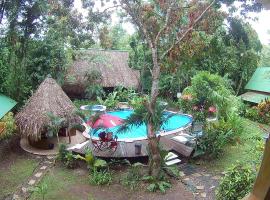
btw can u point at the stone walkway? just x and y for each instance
(24, 191)
(200, 181)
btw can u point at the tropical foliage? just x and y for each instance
(237, 182)
(260, 113)
(220, 134)
(209, 95)
(7, 126)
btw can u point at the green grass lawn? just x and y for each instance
(13, 175)
(59, 180)
(249, 149)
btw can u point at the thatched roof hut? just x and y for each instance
(33, 119)
(111, 64)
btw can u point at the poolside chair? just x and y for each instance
(197, 133)
(106, 141)
(112, 142)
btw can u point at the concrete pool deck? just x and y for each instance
(76, 139)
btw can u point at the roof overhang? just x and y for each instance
(255, 97)
(6, 104)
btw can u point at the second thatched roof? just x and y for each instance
(33, 119)
(111, 64)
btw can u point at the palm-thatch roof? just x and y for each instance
(111, 64)
(33, 119)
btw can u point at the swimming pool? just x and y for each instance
(174, 124)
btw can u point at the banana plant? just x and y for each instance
(91, 161)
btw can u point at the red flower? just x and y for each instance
(212, 109)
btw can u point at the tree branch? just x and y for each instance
(189, 29)
(106, 9)
(137, 20)
(169, 10)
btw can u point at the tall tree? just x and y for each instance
(164, 25)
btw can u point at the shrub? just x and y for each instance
(235, 124)
(252, 114)
(133, 176)
(236, 183)
(208, 94)
(110, 101)
(217, 135)
(136, 101)
(260, 113)
(160, 184)
(62, 152)
(125, 94)
(91, 161)
(70, 160)
(66, 157)
(8, 126)
(94, 91)
(215, 139)
(102, 177)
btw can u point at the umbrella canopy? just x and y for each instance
(106, 121)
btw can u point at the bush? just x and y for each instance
(91, 161)
(110, 101)
(70, 160)
(208, 94)
(160, 184)
(260, 113)
(7, 125)
(215, 139)
(237, 182)
(66, 157)
(236, 125)
(133, 176)
(125, 94)
(217, 135)
(62, 152)
(102, 177)
(136, 101)
(94, 91)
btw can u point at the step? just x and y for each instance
(172, 162)
(171, 156)
(180, 139)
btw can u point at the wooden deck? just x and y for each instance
(127, 149)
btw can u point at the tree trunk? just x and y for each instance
(69, 137)
(155, 158)
(239, 85)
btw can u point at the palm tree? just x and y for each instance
(55, 125)
(156, 117)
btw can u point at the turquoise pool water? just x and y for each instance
(177, 121)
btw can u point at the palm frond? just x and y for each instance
(142, 115)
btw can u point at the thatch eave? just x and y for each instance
(33, 119)
(112, 65)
